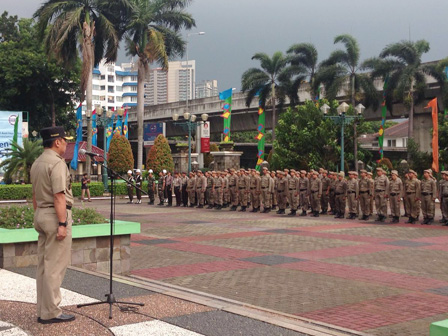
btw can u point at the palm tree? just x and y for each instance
(270, 81)
(343, 67)
(93, 26)
(153, 35)
(401, 63)
(305, 55)
(19, 162)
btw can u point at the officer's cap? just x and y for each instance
(363, 171)
(150, 171)
(341, 173)
(444, 172)
(303, 172)
(257, 172)
(380, 169)
(286, 170)
(429, 171)
(412, 172)
(129, 171)
(55, 132)
(355, 173)
(370, 173)
(138, 171)
(265, 168)
(394, 172)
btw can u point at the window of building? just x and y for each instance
(133, 89)
(111, 99)
(103, 87)
(133, 78)
(110, 89)
(375, 144)
(102, 98)
(119, 99)
(392, 143)
(405, 142)
(96, 77)
(95, 97)
(95, 87)
(110, 78)
(119, 89)
(103, 77)
(119, 78)
(133, 99)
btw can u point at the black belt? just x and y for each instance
(253, 188)
(292, 189)
(379, 190)
(263, 187)
(393, 194)
(313, 192)
(242, 187)
(426, 194)
(339, 193)
(446, 195)
(363, 192)
(303, 189)
(233, 185)
(351, 192)
(209, 187)
(410, 192)
(68, 207)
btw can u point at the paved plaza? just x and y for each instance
(378, 278)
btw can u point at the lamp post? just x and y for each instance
(191, 123)
(343, 119)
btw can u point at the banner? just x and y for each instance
(94, 129)
(125, 124)
(435, 134)
(227, 112)
(74, 162)
(109, 132)
(261, 135)
(119, 125)
(383, 120)
(205, 137)
(10, 129)
(151, 131)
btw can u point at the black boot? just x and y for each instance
(292, 213)
(395, 220)
(316, 214)
(274, 207)
(200, 206)
(303, 213)
(411, 220)
(243, 209)
(443, 220)
(337, 215)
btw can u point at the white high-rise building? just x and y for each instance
(207, 88)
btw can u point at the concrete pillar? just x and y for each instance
(422, 131)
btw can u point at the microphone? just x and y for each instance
(84, 152)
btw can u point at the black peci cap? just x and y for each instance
(50, 133)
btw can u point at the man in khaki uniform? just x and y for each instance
(406, 181)
(282, 188)
(395, 194)
(266, 184)
(218, 189)
(201, 185)
(244, 189)
(52, 202)
(293, 194)
(209, 195)
(412, 197)
(304, 192)
(316, 193)
(372, 197)
(274, 191)
(352, 195)
(331, 196)
(443, 197)
(191, 189)
(429, 192)
(381, 187)
(233, 188)
(225, 189)
(365, 193)
(325, 198)
(340, 192)
(255, 190)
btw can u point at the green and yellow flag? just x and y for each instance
(227, 112)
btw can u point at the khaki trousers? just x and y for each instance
(303, 200)
(315, 201)
(266, 198)
(364, 201)
(340, 204)
(394, 203)
(53, 257)
(324, 199)
(293, 199)
(413, 206)
(380, 203)
(444, 206)
(209, 196)
(192, 196)
(255, 198)
(226, 196)
(352, 203)
(200, 196)
(428, 206)
(243, 196)
(332, 200)
(218, 196)
(234, 195)
(281, 198)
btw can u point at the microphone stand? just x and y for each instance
(110, 297)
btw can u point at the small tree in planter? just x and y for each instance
(120, 158)
(159, 156)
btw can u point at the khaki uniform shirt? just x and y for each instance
(396, 187)
(282, 184)
(50, 176)
(413, 187)
(191, 184)
(381, 183)
(304, 184)
(353, 186)
(233, 180)
(316, 186)
(428, 186)
(326, 181)
(365, 184)
(341, 187)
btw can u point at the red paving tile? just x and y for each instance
(136, 244)
(329, 235)
(342, 251)
(193, 269)
(216, 251)
(382, 312)
(368, 275)
(224, 236)
(433, 240)
(331, 227)
(137, 237)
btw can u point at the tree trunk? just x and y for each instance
(274, 119)
(142, 69)
(86, 80)
(411, 119)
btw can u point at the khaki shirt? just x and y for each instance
(233, 180)
(341, 187)
(304, 184)
(381, 184)
(396, 187)
(443, 189)
(428, 186)
(191, 184)
(50, 176)
(413, 187)
(316, 186)
(365, 184)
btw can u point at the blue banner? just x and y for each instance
(109, 132)
(151, 131)
(7, 122)
(119, 126)
(125, 124)
(94, 129)
(74, 162)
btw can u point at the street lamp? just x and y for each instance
(343, 120)
(103, 120)
(191, 123)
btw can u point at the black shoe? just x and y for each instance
(278, 212)
(442, 221)
(429, 221)
(191, 205)
(274, 207)
(411, 220)
(60, 319)
(243, 209)
(338, 215)
(199, 206)
(233, 208)
(218, 207)
(395, 220)
(364, 217)
(292, 213)
(303, 213)
(316, 214)
(210, 207)
(253, 210)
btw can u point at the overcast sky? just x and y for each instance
(237, 29)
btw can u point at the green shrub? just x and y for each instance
(120, 158)
(22, 217)
(96, 189)
(159, 156)
(120, 187)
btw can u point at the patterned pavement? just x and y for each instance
(380, 279)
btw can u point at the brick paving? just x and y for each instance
(381, 279)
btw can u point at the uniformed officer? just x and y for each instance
(282, 188)
(169, 188)
(191, 189)
(340, 193)
(218, 185)
(177, 184)
(331, 197)
(316, 193)
(293, 192)
(274, 191)
(160, 190)
(381, 187)
(233, 188)
(406, 181)
(365, 194)
(244, 189)
(304, 192)
(429, 192)
(267, 186)
(52, 203)
(130, 185)
(443, 197)
(352, 195)
(225, 189)
(255, 190)
(201, 185)
(412, 197)
(151, 187)
(372, 199)
(138, 184)
(325, 198)
(395, 194)
(209, 190)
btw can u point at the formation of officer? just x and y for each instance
(310, 193)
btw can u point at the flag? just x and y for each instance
(74, 163)
(227, 112)
(261, 135)
(109, 132)
(119, 125)
(16, 131)
(435, 134)
(383, 119)
(94, 129)
(125, 124)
